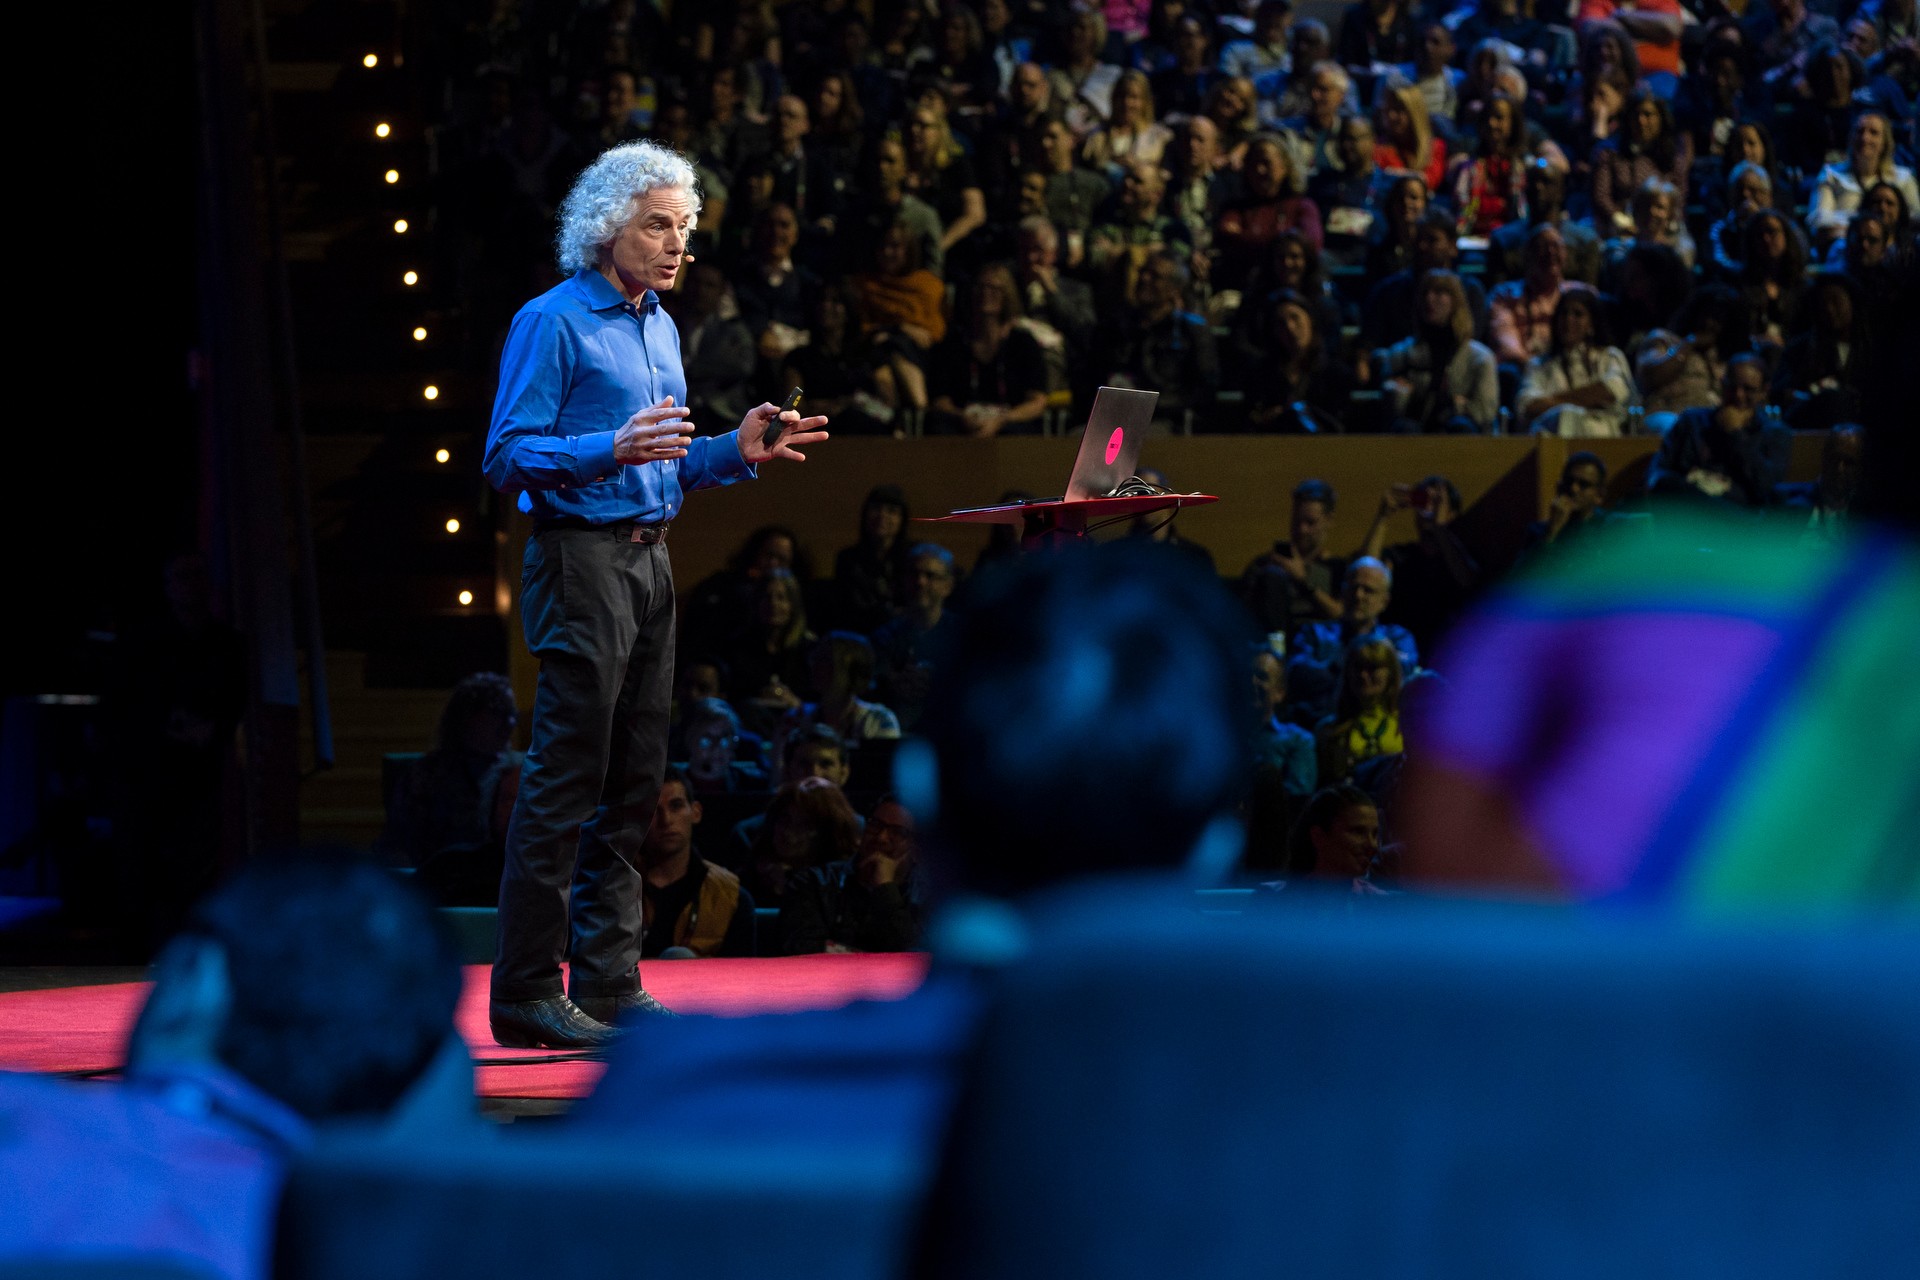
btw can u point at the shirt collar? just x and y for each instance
(602, 296)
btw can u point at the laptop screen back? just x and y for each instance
(1110, 449)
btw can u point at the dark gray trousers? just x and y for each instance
(598, 612)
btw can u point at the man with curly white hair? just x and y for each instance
(590, 426)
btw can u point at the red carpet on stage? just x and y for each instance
(85, 1028)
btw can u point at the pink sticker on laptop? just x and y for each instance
(1113, 444)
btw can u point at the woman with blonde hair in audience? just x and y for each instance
(1233, 107)
(1439, 380)
(1403, 139)
(939, 172)
(1838, 190)
(1365, 723)
(1581, 387)
(1133, 133)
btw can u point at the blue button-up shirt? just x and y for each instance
(581, 360)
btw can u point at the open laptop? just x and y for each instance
(1109, 447)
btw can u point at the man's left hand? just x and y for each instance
(798, 430)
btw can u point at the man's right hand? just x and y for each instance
(653, 435)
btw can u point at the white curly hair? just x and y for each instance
(603, 197)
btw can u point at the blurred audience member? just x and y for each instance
(1317, 650)
(1294, 583)
(904, 646)
(1337, 839)
(1365, 721)
(1733, 455)
(452, 807)
(875, 902)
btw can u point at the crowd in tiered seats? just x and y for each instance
(1562, 216)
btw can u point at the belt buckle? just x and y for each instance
(649, 534)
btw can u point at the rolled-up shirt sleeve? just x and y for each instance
(523, 449)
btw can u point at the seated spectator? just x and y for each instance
(940, 173)
(1868, 257)
(1508, 21)
(1336, 840)
(1158, 345)
(1073, 192)
(1365, 722)
(713, 739)
(1435, 575)
(1082, 83)
(1197, 186)
(304, 996)
(961, 63)
(835, 368)
(450, 813)
(1007, 141)
(1265, 50)
(1390, 247)
(1656, 218)
(1434, 79)
(877, 901)
(901, 307)
(1440, 379)
(1049, 298)
(1234, 108)
(1752, 144)
(1824, 508)
(1269, 204)
(1520, 312)
(1312, 135)
(1182, 86)
(804, 178)
(882, 201)
(1838, 189)
(1280, 747)
(1404, 141)
(809, 825)
(776, 297)
(866, 574)
(1680, 367)
(1773, 276)
(690, 907)
(1819, 87)
(811, 751)
(1575, 512)
(839, 121)
(1546, 207)
(1303, 386)
(1376, 31)
(1585, 123)
(1884, 201)
(1346, 196)
(905, 645)
(1133, 135)
(1582, 386)
(1818, 381)
(843, 664)
(1293, 584)
(989, 377)
(1749, 190)
(1731, 456)
(717, 350)
(1316, 651)
(1391, 312)
(1654, 25)
(767, 659)
(1129, 229)
(1488, 183)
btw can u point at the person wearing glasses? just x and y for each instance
(903, 644)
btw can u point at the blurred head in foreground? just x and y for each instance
(1090, 715)
(326, 984)
(1682, 717)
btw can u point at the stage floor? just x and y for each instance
(83, 1029)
